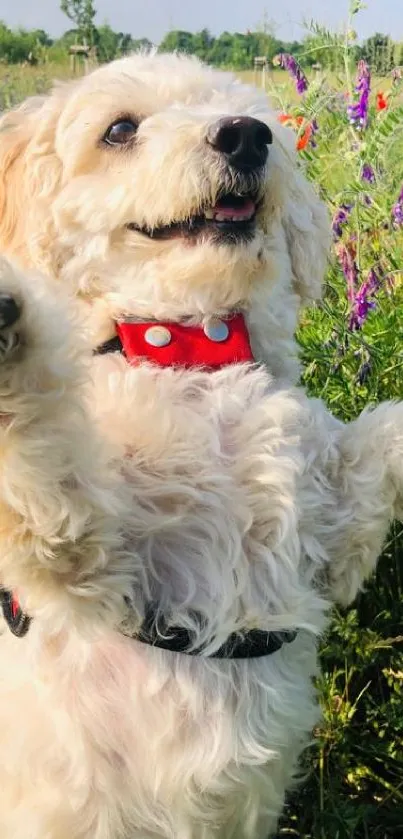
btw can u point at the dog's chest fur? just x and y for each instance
(213, 465)
(169, 744)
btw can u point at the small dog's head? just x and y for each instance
(159, 187)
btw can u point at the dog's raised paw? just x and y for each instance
(10, 313)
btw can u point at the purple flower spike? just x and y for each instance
(364, 372)
(361, 296)
(364, 300)
(339, 220)
(315, 129)
(397, 211)
(368, 174)
(350, 270)
(288, 62)
(358, 111)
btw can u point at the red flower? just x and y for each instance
(304, 138)
(285, 118)
(381, 101)
(298, 123)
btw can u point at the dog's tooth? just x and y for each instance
(209, 214)
(220, 217)
(245, 217)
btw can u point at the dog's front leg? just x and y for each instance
(363, 493)
(59, 499)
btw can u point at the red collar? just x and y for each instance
(218, 343)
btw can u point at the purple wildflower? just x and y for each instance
(358, 112)
(314, 130)
(339, 220)
(368, 174)
(288, 62)
(364, 372)
(350, 270)
(364, 300)
(397, 211)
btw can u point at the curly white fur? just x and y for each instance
(229, 494)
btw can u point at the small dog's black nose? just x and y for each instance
(243, 140)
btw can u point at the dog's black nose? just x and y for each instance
(243, 140)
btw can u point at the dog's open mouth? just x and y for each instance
(232, 218)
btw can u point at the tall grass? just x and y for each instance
(18, 81)
(354, 784)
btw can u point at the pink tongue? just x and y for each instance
(247, 209)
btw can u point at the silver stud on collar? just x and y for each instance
(157, 336)
(216, 330)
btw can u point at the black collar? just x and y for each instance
(113, 345)
(253, 643)
(18, 622)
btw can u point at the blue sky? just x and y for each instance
(152, 18)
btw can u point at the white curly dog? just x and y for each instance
(176, 517)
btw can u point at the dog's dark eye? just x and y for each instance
(120, 133)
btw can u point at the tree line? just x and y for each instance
(234, 50)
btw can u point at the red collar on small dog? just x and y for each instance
(215, 344)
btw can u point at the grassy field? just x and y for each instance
(18, 81)
(353, 787)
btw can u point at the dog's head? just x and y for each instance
(159, 187)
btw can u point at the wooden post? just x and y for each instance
(82, 55)
(261, 63)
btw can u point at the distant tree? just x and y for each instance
(136, 44)
(177, 41)
(112, 44)
(293, 47)
(222, 50)
(379, 52)
(42, 37)
(18, 46)
(69, 37)
(239, 57)
(107, 42)
(232, 50)
(269, 45)
(398, 55)
(202, 43)
(82, 13)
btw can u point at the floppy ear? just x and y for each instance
(305, 218)
(29, 175)
(14, 138)
(307, 229)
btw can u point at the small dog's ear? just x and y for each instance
(308, 233)
(29, 173)
(14, 138)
